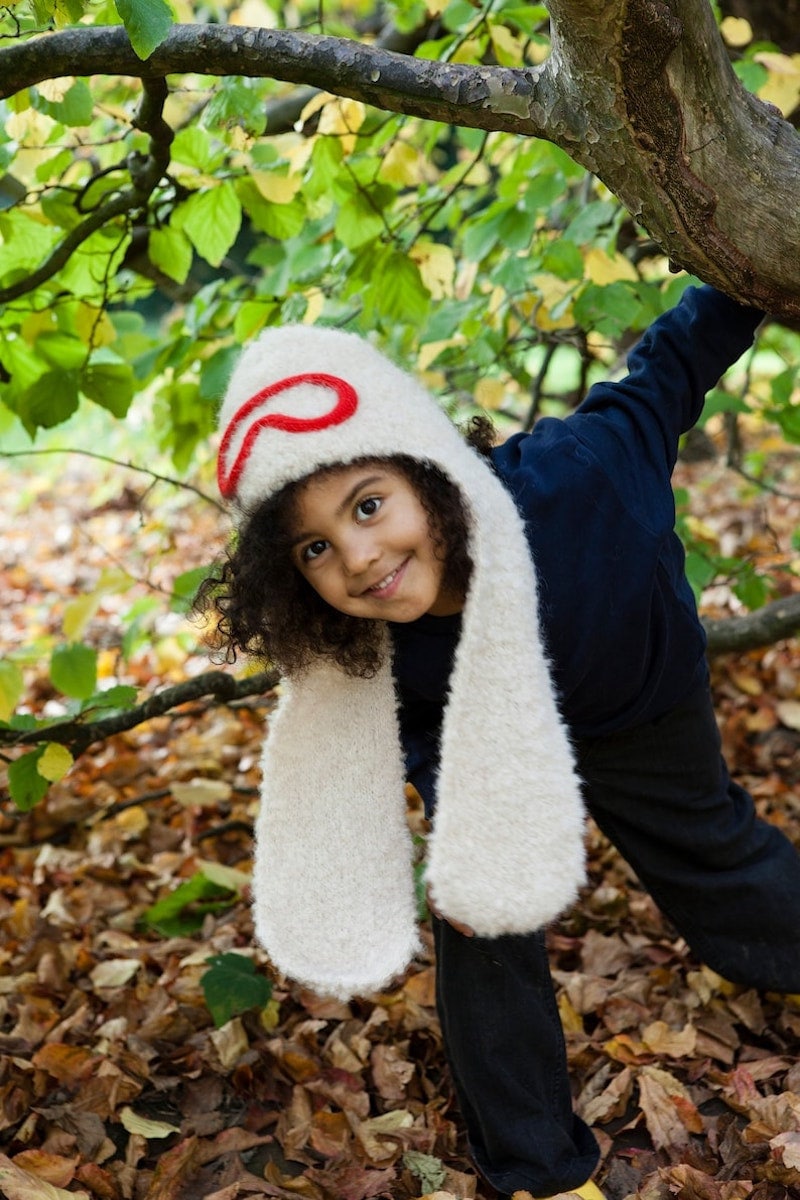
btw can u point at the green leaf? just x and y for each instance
(11, 688)
(429, 1170)
(53, 398)
(719, 401)
(61, 350)
(752, 590)
(610, 310)
(111, 700)
(184, 589)
(26, 785)
(171, 251)
(357, 222)
(75, 108)
(236, 102)
(211, 221)
(147, 23)
(185, 909)
(233, 986)
(109, 382)
(73, 670)
(397, 291)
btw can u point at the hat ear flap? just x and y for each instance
(334, 902)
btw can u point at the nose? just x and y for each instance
(359, 552)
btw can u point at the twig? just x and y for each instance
(117, 462)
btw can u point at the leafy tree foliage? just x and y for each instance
(169, 190)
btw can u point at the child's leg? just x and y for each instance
(729, 881)
(505, 1047)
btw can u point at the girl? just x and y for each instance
(388, 568)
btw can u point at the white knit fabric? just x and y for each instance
(333, 889)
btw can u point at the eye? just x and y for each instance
(367, 507)
(313, 550)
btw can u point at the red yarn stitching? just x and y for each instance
(343, 409)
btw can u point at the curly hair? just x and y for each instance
(267, 609)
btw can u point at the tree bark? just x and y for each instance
(640, 92)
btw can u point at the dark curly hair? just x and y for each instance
(266, 608)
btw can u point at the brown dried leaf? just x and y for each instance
(390, 1071)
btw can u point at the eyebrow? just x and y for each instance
(366, 482)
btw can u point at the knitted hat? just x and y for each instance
(334, 901)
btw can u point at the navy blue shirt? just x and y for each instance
(616, 611)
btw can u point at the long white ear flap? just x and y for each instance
(506, 854)
(334, 901)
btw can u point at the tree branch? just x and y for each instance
(640, 92)
(146, 172)
(78, 735)
(772, 623)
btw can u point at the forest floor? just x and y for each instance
(115, 1083)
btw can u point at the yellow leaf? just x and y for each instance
(552, 291)
(702, 531)
(142, 1125)
(437, 267)
(431, 351)
(489, 393)
(342, 117)
(677, 1043)
(275, 187)
(254, 14)
(222, 876)
(315, 105)
(507, 47)
(93, 325)
(602, 268)
(201, 792)
(55, 90)
(468, 52)
(571, 1019)
(736, 31)
(77, 615)
(230, 1042)
(402, 164)
(271, 1015)
(783, 84)
(315, 302)
(55, 762)
(436, 7)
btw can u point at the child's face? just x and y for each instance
(362, 540)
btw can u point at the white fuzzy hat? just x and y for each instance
(334, 900)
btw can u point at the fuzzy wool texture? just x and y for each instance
(332, 882)
(334, 899)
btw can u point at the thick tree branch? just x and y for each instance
(640, 92)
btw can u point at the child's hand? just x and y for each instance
(459, 926)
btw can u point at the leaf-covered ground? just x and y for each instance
(116, 1084)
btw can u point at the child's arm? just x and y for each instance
(679, 359)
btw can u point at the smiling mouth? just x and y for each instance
(385, 584)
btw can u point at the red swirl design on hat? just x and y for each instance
(343, 409)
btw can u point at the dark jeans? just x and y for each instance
(729, 882)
